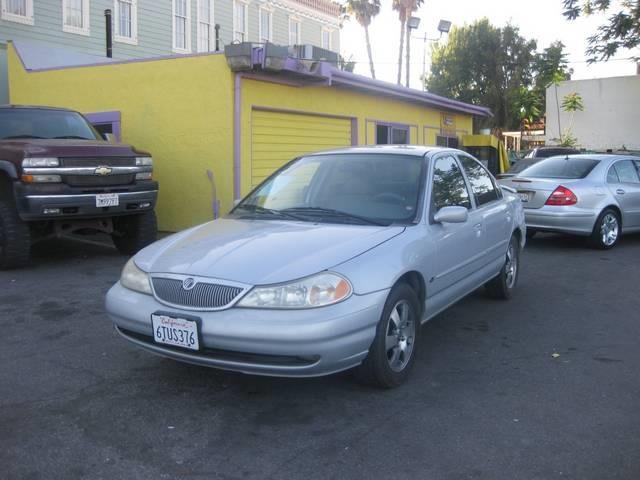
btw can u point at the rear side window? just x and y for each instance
(483, 188)
(612, 176)
(626, 171)
(449, 188)
(561, 167)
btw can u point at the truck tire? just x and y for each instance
(134, 232)
(15, 237)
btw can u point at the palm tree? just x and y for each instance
(404, 8)
(364, 11)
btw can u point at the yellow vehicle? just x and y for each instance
(489, 150)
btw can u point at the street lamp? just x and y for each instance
(444, 26)
(412, 24)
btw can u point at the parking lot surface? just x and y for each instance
(544, 386)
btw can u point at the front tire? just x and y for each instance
(606, 231)
(15, 237)
(502, 286)
(134, 232)
(392, 353)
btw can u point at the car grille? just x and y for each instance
(201, 296)
(99, 162)
(98, 181)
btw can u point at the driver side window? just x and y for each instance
(449, 188)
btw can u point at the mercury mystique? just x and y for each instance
(331, 263)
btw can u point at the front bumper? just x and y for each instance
(576, 221)
(32, 203)
(287, 343)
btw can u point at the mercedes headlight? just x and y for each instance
(135, 279)
(316, 291)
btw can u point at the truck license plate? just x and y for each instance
(107, 200)
(178, 332)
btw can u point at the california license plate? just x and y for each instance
(524, 196)
(178, 332)
(107, 200)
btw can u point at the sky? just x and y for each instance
(541, 20)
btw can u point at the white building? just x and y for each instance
(611, 116)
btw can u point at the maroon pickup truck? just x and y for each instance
(59, 176)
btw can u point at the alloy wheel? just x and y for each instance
(511, 266)
(609, 229)
(401, 333)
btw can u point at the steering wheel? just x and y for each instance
(396, 198)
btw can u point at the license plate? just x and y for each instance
(178, 332)
(524, 197)
(107, 200)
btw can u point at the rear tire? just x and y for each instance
(392, 353)
(134, 232)
(15, 237)
(502, 286)
(606, 231)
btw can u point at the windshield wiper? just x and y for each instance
(331, 213)
(20, 136)
(269, 211)
(73, 136)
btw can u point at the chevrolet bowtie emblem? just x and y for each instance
(103, 171)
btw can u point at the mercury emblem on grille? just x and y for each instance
(188, 283)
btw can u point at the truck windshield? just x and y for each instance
(16, 123)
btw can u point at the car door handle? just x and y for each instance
(620, 191)
(478, 226)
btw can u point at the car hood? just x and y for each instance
(260, 252)
(67, 148)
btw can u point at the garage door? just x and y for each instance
(278, 137)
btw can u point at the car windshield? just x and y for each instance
(16, 123)
(371, 189)
(561, 167)
(520, 165)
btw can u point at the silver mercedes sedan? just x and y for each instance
(331, 263)
(596, 196)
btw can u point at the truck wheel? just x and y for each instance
(15, 237)
(134, 232)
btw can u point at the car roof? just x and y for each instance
(33, 107)
(601, 157)
(410, 150)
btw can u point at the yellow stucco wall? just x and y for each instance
(180, 110)
(367, 109)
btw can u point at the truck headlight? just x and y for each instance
(135, 279)
(316, 291)
(39, 162)
(144, 162)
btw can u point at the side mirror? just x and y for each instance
(451, 215)
(110, 137)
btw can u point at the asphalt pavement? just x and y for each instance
(544, 386)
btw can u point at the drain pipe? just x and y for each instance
(108, 27)
(237, 124)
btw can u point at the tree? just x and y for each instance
(485, 65)
(621, 32)
(571, 103)
(364, 11)
(404, 8)
(550, 68)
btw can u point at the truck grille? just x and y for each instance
(201, 296)
(98, 162)
(96, 181)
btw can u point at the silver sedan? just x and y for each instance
(597, 196)
(332, 263)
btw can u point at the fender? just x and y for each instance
(9, 168)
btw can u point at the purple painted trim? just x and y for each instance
(237, 125)
(340, 77)
(115, 62)
(112, 117)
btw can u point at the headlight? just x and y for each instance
(135, 279)
(40, 162)
(317, 291)
(144, 162)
